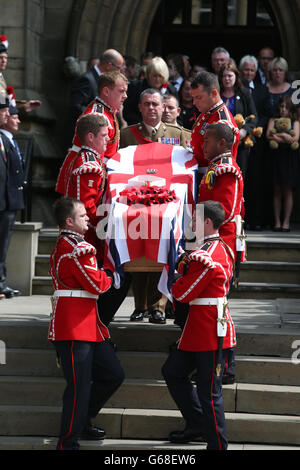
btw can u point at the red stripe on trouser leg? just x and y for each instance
(226, 365)
(74, 400)
(212, 402)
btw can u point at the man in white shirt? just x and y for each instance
(265, 57)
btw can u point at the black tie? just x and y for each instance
(18, 150)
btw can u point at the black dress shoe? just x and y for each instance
(9, 292)
(92, 433)
(228, 379)
(188, 435)
(157, 317)
(137, 315)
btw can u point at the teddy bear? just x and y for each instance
(283, 124)
(256, 132)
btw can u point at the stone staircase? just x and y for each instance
(262, 407)
(272, 269)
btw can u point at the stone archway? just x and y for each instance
(287, 15)
(98, 25)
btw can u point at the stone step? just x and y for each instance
(269, 249)
(47, 239)
(150, 424)
(263, 247)
(147, 365)
(265, 290)
(42, 285)
(147, 447)
(270, 272)
(147, 337)
(251, 271)
(42, 265)
(134, 393)
(153, 394)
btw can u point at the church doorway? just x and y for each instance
(196, 27)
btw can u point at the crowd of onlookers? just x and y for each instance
(258, 89)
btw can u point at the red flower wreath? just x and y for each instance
(146, 195)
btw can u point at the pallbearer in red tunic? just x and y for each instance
(90, 367)
(208, 332)
(223, 182)
(84, 173)
(206, 97)
(112, 88)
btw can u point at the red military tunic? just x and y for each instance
(77, 283)
(99, 107)
(216, 114)
(84, 177)
(223, 182)
(208, 274)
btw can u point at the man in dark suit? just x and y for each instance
(85, 88)
(257, 162)
(265, 57)
(11, 189)
(260, 94)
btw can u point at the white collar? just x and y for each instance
(8, 134)
(97, 69)
(215, 235)
(70, 232)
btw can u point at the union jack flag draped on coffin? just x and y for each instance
(161, 227)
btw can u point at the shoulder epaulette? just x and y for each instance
(206, 246)
(88, 167)
(133, 125)
(84, 248)
(222, 113)
(202, 257)
(226, 166)
(98, 107)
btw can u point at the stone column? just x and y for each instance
(21, 255)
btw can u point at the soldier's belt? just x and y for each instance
(209, 301)
(221, 303)
(74, 293)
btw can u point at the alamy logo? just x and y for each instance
(296, 94)
(2, 352)
(296, 353)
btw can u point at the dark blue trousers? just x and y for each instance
(7, 220)
(93, 373)
(201, 405)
